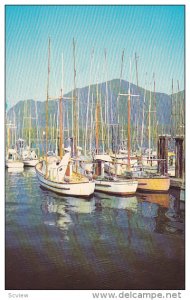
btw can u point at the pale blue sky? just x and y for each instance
(156, 33)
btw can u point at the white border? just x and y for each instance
(82, 294)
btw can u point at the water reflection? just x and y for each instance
(54, 214)
(81, 206)
(74, 243)
(15, 170)
(151, 212)
(116, 202)
(29, 172)
(161, 199)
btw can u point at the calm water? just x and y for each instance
(55, 242)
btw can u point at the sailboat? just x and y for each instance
(28, 154)
(109, 183)
(13, 159)
(57, 173)
(58, 176)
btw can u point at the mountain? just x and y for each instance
(161, 107)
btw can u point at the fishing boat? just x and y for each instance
(56, 173)
(28, 155)
(13, 160)
(30, 158)
(156, 183)
(109, 183)
(114, 186)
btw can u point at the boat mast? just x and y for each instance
(36, 113)
(102, 127)
(47, 97)
(97, 121)
(136, 58)
(91, 124)
(129, 124)
(121, 72)
(68, 123)
(57, 130)
(29, 133)
(142, 129)
(129, 119)
(87, 112)
(61, 126)
(8, 137)
(54, 130)
(61, 122)
(138, 105)
(155, 124)
(78, 114)
(149, 127)
(15, 132)
(106, 103)
(75, 132)
(172, 113)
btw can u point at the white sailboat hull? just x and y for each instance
(83, 189)
(120, 187)
(30, 162)
(14, 164)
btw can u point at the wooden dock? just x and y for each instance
(177, 183)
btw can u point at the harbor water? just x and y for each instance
(105, 242)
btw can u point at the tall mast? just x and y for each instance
(97, 121)
(67, 122)
(101, 121)
(23, 118)
(57, 126)
(91, 124)
(106, 103)
(155, 121)
(129, 124)
(15, 133)
(78, 114)
(61, 126)
(87, 112)
(29, 134)
(75, 132)
(172, 119)
(8, 137)
(138, 105)
(53, 129)
(178, 110)
(129, 119)
(142, 129)
(136, 57)
(149, 127)
(47, 105)
(36, 113)
(121, 72)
